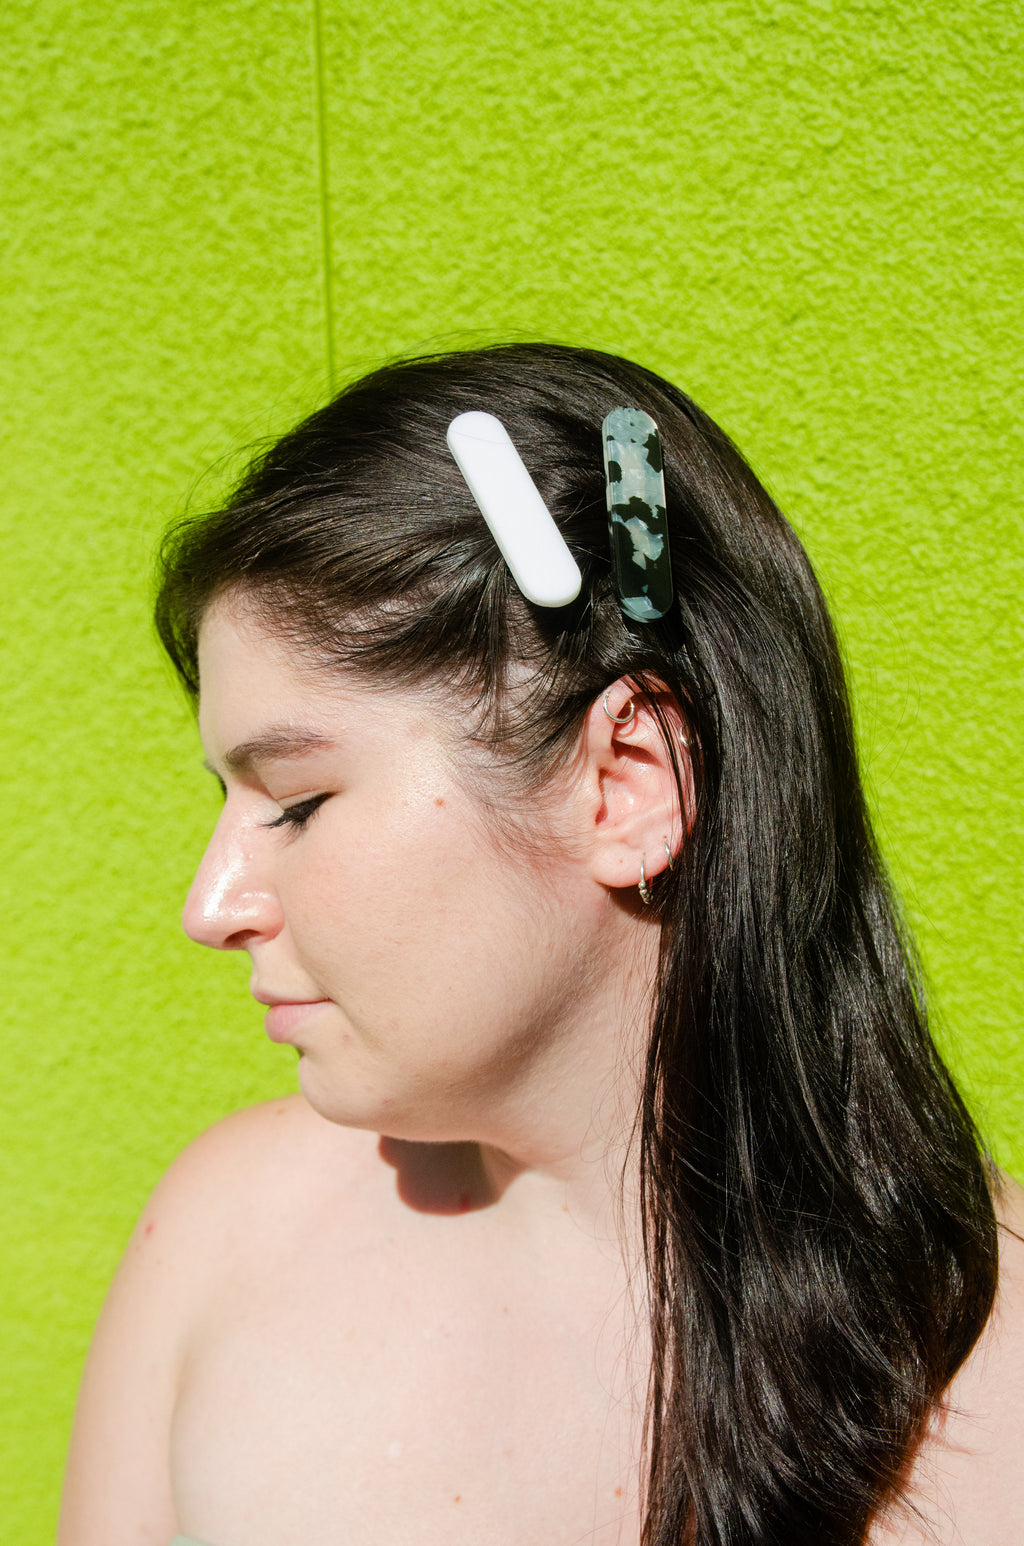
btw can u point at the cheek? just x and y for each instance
(418, 907)
(392, 876)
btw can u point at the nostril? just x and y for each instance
(224, 914)
(230, 904)
(208, 928)
(240, 939)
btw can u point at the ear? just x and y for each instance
(629, 783)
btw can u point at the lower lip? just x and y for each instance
(283, 1021)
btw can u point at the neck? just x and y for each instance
(561, 1142)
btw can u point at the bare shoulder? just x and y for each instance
(284, 1129)
(967, 1481)
(1004, 1334)
(277, 1145)
(258, 1170)
(236, 1194)
(994, 1373)
(1010, 1212)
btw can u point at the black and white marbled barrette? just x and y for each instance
(637, 517)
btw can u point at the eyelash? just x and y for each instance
(298, 815)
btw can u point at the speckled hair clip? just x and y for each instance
(637, 518)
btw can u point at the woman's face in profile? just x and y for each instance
(415, 963)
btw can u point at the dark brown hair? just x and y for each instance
(820, 1237)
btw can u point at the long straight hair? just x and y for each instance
(820, 1239)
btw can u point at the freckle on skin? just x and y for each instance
(439, 801)
(458, 1497)
(149, 1229)
(618, 1492)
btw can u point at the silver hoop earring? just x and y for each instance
(620, 719)
(669, 855)
(646, 895)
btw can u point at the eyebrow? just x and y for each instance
(275, 745)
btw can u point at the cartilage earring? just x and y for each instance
(669, 855)
(620, 719)
(646, 895)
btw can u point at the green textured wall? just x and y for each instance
(809, 215)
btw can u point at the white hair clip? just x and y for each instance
(520, 522)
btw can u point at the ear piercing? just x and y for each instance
(620, 719)
(643, 884)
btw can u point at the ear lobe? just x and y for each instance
(636, 814)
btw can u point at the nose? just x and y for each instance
(230, 904)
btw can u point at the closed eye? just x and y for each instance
(297, 815)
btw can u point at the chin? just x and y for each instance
(374, 1112)
(343, 1102)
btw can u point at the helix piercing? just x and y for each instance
(646, 895)
(620, 719)
(669, 855)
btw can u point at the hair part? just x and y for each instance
(820, 1240)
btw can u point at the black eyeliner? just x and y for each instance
(297, 815)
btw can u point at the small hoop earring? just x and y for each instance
(669, 855)
(619, 719)
(646, 895)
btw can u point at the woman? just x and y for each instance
(626, 1198)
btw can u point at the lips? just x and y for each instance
(286, 1017)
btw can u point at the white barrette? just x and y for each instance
(520, 522)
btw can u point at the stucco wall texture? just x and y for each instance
(808, 215)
